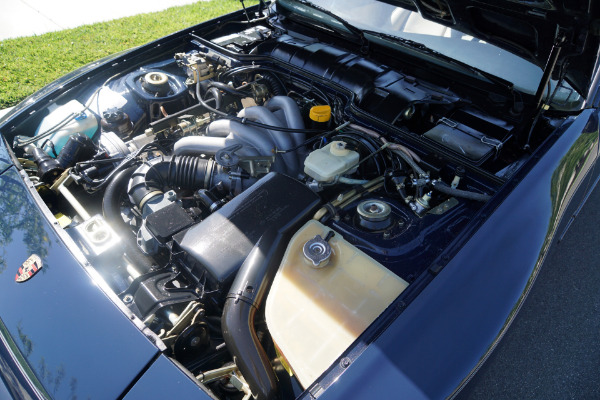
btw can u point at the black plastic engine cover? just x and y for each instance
(167, 221)
(219, 245)
(379, 89)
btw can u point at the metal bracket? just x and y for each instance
(255, 166)
(448, 122)
(492, 142)
(226, 157)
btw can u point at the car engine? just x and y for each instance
(250, 192)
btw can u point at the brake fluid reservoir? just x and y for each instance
(315, 310)
(326, 163)
(83, 122)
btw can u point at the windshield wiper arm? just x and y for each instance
(359, 33)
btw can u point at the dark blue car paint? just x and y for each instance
(5, 160)
(74, 339)
(456, 321)
(164, 380)
(17, 377)
(425, 353)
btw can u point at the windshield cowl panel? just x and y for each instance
(409, 26)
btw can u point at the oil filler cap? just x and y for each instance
(318, 251)
(320, 113)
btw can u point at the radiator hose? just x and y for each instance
(251, 285)
(449, 190)
(244, 298)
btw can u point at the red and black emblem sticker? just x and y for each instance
(29, 268)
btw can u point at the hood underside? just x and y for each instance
(529, 28)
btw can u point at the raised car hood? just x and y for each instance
(528, 28)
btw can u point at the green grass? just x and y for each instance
(27, 64)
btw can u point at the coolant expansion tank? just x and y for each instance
(314, 313)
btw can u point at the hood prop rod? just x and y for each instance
(540, 107)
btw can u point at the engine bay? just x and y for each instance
(219, 178)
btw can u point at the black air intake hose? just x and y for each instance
(184, 172)
(276, 88)
(245, 296)
(112, 212)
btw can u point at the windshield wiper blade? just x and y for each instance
(359, 33)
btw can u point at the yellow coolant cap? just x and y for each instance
(320, 113)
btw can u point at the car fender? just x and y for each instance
(443, 336)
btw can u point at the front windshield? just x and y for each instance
(388, 19)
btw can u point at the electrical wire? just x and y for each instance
(93, 185)
(220, 25)
(68, 118)
(310, 84)
(239, 91)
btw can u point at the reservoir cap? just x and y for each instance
(320, 113)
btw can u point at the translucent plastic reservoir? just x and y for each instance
(326, 163)
(314, 314)
(79, 120)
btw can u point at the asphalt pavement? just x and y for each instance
(552, 349)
